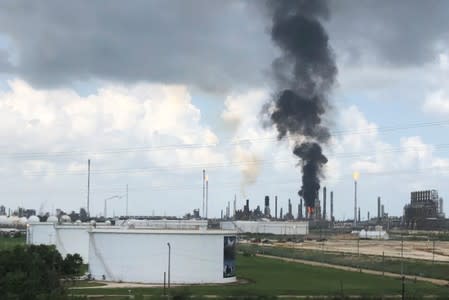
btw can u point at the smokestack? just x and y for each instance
(290, 208)
(222, 214)
(358, 219)
(378, 208)
(207, 196)
(324, 203)
(276, 207)
(300, 209)
(280, 214)
(247, 206)
(88, 187)
(382, 212)
(355, 203)
(299, 212)
(229, 210)
(332, 206)
(267, 206)
(235, 205)
(305, 74)
(368, 216)
(203, 211)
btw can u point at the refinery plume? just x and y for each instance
(304, 73)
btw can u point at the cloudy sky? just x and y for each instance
(154, 91)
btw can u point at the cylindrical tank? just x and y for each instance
(52, 219)
(33, 219)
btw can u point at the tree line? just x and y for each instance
(36, 272)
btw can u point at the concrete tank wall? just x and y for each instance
(271, 227)
(73, 239)
(68, 239)
(41, 233)
(142, 255)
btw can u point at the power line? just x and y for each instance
(233, 184)
(242, 141)
(224, 164)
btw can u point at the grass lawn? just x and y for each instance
(271, 277)
(389, 264)
(8, 242)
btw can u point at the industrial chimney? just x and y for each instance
(332, 206)
(266, 211)
(378, 208)
(276, 207)
(324, 203)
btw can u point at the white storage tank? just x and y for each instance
(33, 219)
(270, 227)
(141, 255)
(41, 233)
(68, 238)
(4, 220)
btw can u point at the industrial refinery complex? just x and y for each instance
(199, 250)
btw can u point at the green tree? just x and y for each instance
(35, 272)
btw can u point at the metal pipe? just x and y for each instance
(355, 203)
(204, 180)
(88, 187)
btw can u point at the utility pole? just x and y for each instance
(127, 200)
(402, 256)
(358, 246)
(165, 276)
(433, 252)
(203, 212)
(207, 196)
(403, 287)
(88, 188)
(355, 176)
(169, 254)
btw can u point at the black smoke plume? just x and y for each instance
(305, 73)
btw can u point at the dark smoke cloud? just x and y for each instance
(305, 73)
(313, 159)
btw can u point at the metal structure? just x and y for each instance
(355, 176)
(88, 187)
(424, 210)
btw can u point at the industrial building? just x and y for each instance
(425, 211)
(137, 250)
(267, 227)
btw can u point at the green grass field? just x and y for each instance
(409, 266)
(271, 277)
(8, 243)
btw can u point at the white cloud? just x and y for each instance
(114, 117)
(361, 148)
(437, 103)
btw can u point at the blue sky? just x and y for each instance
(159, 98)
